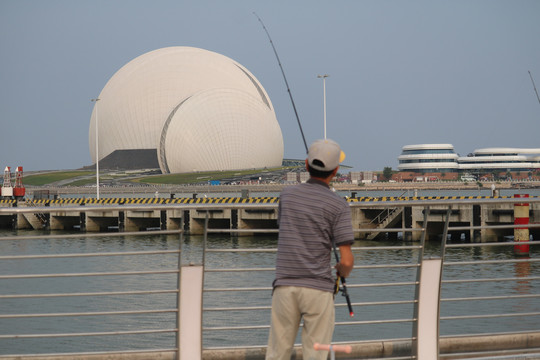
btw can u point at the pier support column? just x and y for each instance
(23, 223)
(487, 235)
(475, 235)
(56, 224)
(174, 219)
(414, 219)
(196, 226)
(163, 220)
(360, 221)
(255, 219)
(521, 217)
(407, 221)
(82, 221)
(130, 225)
(92, 225)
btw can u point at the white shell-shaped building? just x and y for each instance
(185, 109)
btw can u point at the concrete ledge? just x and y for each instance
(459, 347)
(518, 342)
(160, 355)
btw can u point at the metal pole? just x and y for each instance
(324, 99)
(179, 287)
(97, 149)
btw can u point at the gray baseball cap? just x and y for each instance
(325, 155)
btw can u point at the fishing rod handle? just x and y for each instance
(349, 305)
(346, 294)
(335, 348)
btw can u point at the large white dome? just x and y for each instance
(191, 110)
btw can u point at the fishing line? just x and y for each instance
(284, 78)
(343, 287)
(534, 86)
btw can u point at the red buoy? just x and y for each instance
(521, 234)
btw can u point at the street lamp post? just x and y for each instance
(97, 148)
(324, 96)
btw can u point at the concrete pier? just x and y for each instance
(385, 216)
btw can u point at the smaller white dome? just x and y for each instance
(220, 129)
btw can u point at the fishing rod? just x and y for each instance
(343, 287)
(534, 86)
(286, 83)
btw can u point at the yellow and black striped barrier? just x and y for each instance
(147, 201)
(401, 198)
(229, 200)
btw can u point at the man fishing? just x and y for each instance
(312, 219)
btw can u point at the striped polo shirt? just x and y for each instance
(310, 217)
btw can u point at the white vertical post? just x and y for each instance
(324, 101)
(190, 327)
(97, 148)
(428, 310)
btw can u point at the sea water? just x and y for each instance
(369, 297)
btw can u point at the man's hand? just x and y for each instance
(345, 265)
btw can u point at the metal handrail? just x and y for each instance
(104, 273)
(93, 313)
(383, 266)
(126, 313)
(96, 333)
(61, 256)
(103, 293)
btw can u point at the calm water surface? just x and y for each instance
(192, 252)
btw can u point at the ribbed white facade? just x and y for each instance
(425, 158)
(199, 110)
(428, 158)
(502, 159)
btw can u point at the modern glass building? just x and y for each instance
(500, 159)
(441, 158)
(428, 158)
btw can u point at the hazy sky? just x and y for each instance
(401, 72)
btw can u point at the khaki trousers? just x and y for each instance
(289, 305)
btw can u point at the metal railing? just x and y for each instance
(408, 306)
(29, 318)
(237, 293)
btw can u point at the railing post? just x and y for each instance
(190, 307)
(428, 297)
(428, 310)
(190, 327)
(415, 331)
(178, 299)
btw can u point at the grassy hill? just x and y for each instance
(86, 177)
(53, 177)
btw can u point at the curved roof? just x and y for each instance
(428, 147)
(151, 103)
(503, 151)
(430, 156)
